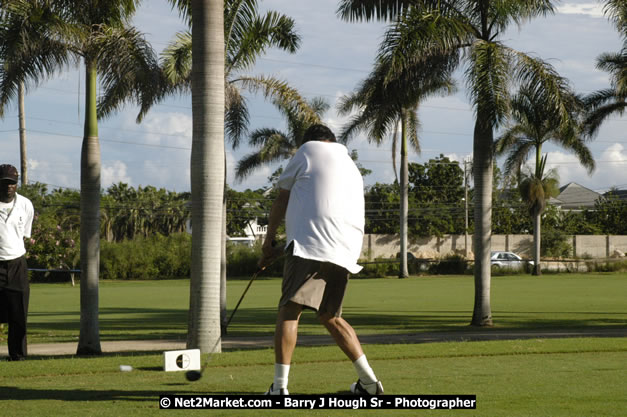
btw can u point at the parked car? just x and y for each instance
(508, 260)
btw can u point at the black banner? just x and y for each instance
(319, 402)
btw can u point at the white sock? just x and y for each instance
(281, 373)
(364, 371)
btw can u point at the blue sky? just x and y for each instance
(334, 57)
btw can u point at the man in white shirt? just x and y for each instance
(321, 197)
(16, 219)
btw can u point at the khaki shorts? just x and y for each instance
(316, 285)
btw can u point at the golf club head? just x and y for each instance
(193, 375)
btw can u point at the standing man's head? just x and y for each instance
(320, 133)
(8, 182)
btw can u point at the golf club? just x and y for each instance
(243, 294)
(260, 270)
(195, 375)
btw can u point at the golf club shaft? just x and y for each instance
(243, 294)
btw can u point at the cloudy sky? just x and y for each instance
(333, 58)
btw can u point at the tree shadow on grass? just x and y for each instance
(15, 393)
(171, 324)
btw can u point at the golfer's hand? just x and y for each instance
(269, 252)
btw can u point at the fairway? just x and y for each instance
(140, 310)
(565, 377)
(535, 377)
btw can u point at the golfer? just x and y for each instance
(16, 218)
(321, 197)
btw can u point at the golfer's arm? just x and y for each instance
(277, 214)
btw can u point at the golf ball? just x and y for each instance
(126, 368)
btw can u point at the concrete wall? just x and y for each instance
(387, 246)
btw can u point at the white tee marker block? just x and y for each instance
(181, 360)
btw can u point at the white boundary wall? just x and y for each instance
(386, 246)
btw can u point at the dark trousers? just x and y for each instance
(15, 306)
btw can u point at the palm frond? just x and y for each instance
(176, 59)
(413, 125)
(184, 8)
(488, 77)
(32, 46)
(129, 70)
(366, 10)
(236, 115)
(256, 36)
(279, 92)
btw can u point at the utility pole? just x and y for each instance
(466, 208)
(23, 162)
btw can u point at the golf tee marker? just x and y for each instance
(181, 360)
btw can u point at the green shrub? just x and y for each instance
(450, 264)
(241, 261)
(554, 243)
(154, 257)
(379, 268)
(607, 266)
(51, 246)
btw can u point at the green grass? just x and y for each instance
(565, 377)
(158, 309)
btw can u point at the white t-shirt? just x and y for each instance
(15, 225)
(325, 213)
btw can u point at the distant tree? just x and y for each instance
(610, 213)
(274, 145)
(384, 105)
(535, 121)
(437, 191)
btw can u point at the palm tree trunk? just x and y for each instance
(207, 174)
(23, 163)
(89, 338)
(223, 313)
(404, 185)
(482, 237)
(537, 218)
(537, 224)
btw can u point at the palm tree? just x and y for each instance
(382, 105)
(98, 32)
(25, 42)
(274, 145)
(536, 188)
(207, 173)
(534, 124)
(469, 29)
(613, 100)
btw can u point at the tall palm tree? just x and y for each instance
(275, 145)
(613, 100)
(470, 29)
(25, 42)
(207, 173)
(98, 33)
(534, 123)
(382, 105)
(536, 188)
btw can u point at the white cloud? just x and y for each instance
(590, 9)
(53, 172)
(114, 173)
(167, 129)
(610, 168)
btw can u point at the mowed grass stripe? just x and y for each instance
(158, 309)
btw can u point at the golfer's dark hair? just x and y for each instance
(318, 132)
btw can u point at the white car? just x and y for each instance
(508, 260)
